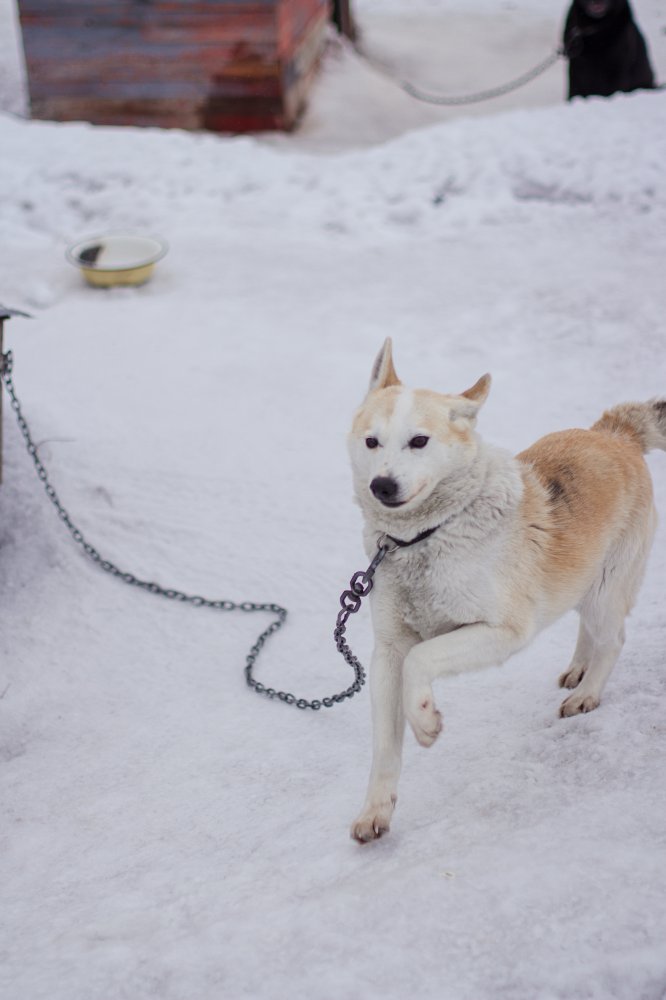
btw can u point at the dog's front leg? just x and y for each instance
(469, 647)
(388, 727)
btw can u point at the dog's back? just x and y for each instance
(587, 473)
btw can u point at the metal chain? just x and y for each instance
(361, 583)
(360, 586)
(481, 95)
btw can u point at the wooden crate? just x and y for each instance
(225, 65)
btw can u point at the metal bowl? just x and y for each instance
(117, 259)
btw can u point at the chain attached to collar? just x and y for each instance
(360, 584)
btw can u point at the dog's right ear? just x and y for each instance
(469, 402)
(383, 372)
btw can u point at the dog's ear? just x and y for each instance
(383, 372)
(471, 400)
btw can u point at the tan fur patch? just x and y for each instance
(434, 415)
(584, 491)
(379, 406)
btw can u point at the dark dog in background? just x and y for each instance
(605, 49)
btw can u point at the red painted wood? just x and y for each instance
(218, 64)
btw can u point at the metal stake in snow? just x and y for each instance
(351, 600)
(5, 313)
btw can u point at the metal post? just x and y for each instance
(2, 351)
(5, 313)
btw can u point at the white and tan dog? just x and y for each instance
(516, 543)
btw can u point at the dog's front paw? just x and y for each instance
(572, 677)
(423, 716)
(374, 821)
(578, 703)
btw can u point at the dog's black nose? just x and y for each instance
(385, 489)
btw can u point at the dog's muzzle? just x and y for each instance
(596, 8)
(386, 490)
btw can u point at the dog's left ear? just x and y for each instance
(383, 372)
(471, 400)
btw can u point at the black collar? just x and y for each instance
(419, 538)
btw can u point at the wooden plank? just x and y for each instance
(95, 18)
(82, 9)
(95, 63)
(172, 113)
(196, 92)
(97, 68)
(244, 114)
(41, 36)
(210, 31)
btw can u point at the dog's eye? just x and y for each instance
(371, 443)
(420, 441)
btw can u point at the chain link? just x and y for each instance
(360, 586)
(361, 583)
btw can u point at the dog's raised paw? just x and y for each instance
(426, 721)
(577, 704)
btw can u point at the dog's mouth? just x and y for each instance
(597, 8)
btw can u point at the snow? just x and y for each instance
(168, 834)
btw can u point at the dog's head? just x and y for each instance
(599, 9)
(405, 442)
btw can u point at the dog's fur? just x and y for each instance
(606, 51)
(519, 541)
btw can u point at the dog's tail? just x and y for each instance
(644, 422)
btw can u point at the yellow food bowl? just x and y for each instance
(119, 259)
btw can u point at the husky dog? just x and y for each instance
(488, 549)
(605, 49)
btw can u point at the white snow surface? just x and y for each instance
(165, 832)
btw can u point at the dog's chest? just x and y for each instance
(439, 590)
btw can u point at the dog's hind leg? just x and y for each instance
(604, 652)
(603, 611)
(573, 675)
(388, 727)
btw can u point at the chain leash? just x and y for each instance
(477, 98)
(571, 48)
(360, 584)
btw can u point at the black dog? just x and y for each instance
(605, 49)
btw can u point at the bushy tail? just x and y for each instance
(644, 422)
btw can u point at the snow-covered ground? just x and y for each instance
(166, 833)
